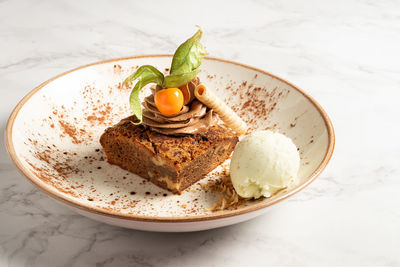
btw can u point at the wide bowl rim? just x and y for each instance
(54, 193)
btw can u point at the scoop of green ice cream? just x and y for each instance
(262, 163)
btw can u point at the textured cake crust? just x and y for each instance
(171, 162)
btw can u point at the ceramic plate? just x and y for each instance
(53, 138)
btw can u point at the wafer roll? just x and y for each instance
(226, 114)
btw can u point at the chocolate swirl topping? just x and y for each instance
(193, 118)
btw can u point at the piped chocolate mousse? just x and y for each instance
(194, 117)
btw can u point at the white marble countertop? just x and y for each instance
(344, 53)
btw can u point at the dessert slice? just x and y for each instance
(169, 161)
(175, 140)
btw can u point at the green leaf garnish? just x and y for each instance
(145, 74)
(189, 55)
(180, 79)
(184, 67)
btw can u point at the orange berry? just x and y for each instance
(169, 101)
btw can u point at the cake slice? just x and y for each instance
(171, 162)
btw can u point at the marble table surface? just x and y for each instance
(344, 53)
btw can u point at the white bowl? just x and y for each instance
(52, 137)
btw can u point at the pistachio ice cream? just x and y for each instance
(263, 163)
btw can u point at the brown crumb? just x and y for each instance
(229, 198)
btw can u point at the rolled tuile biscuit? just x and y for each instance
(226, 114)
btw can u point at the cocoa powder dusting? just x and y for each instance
(252, 103)
(70, 130)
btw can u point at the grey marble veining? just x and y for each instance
(344, 53)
